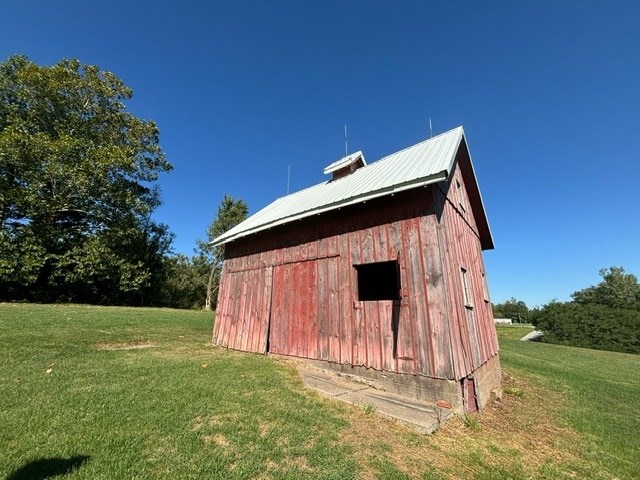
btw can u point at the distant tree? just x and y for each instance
(77, 175)
(617, 289)
(604, 316)
(185, 282)
(230, 213)
(514, 309)
(590, 326)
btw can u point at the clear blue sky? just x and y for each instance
(548, 93)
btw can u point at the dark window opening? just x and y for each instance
(378, 281)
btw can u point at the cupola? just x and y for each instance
(346, 165)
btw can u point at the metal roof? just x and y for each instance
(427, 162)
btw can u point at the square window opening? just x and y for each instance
(378, 281)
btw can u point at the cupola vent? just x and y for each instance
(346, 165)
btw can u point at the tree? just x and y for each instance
(230, 213)
(589, 326)
(605, 316)
(185, 282)
(617, 289)
(514, 309)
(77, 191)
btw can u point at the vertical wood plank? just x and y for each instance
(369, 310)
(323, 307)
(277, 313)
(313, 343)
(265, 311)
(336, 320)
(424, 348)
(416, 299)
(437, 300)
(462, 364)
(359, 333)
(405, 357)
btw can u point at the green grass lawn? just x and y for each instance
(119, 393)
(513, 332)
(602, 390)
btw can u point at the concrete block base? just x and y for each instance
(486, 382)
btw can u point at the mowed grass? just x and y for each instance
(93, 392)
(602, 392)
(176, 409)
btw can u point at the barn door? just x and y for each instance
(242, 321)
(305, 309)
(291, 330)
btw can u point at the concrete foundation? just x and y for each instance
(422, 416)
(488, 381)
(485, 380)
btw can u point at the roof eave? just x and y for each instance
(480, 214)
(417, 183)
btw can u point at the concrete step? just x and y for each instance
(424, 417)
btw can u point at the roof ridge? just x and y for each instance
(459, 127)
(375, 162)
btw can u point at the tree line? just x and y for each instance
(78, 187)
(605, 316)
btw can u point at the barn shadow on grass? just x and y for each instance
(48, 468)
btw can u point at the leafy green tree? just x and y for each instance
(230, 213)
(77, 191)
(590, 326)
(185, 283)
(514, 309)
(605, 316)
(617, 289)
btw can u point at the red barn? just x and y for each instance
(377, 272)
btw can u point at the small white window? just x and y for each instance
(460, 193)
(466, 288)
(485, 288)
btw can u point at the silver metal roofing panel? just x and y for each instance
(424, 163)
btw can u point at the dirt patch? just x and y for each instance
(124, 345)
(518, 436)
(264, 428)
(218, 439)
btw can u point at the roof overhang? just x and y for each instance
(420, 182)
(463, 157)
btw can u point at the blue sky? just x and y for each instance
(548, 93)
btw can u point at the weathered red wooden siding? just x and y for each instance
(242, 319)
(300, 282)
(460, 242)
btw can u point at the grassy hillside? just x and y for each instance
(93, 392)
(602, 392)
